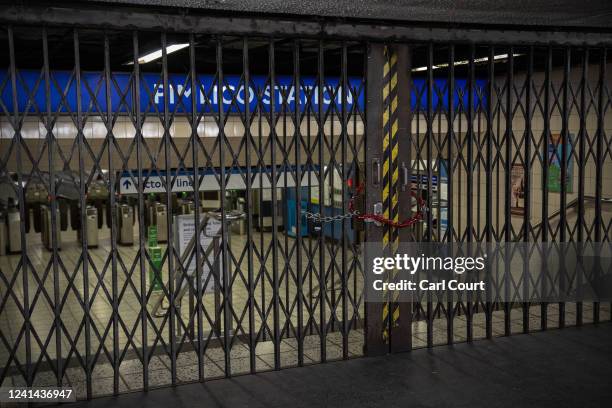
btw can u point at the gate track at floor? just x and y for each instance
(556, 368)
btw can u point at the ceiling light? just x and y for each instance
(158, 54)
(465, 62)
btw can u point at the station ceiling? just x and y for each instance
(545, 13)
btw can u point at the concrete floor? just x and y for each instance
(556, 368)
(130, 337)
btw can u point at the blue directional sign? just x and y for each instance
(183, 180)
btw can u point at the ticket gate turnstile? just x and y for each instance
(239, 227)
(13, 227)
(45, 232)
(35, 195)
(186, 207)
(125, 222)
(3, 240)
(91, 220)
(158, 217)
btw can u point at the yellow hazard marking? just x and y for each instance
(390, 153)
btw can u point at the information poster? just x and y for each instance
(555, 152)
(443, 196)
(185, 229)
(517, 207)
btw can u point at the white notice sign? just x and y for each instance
(184, 230)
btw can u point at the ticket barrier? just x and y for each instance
(125, 220)
(91, 221)
(35, 195)
(46, 230)
(13, 219)
(158, 217)
(3, 238)
(186, 207)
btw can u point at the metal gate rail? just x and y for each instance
(284, 106)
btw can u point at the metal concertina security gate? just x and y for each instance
(456, 134)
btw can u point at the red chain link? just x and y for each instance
(418, 216)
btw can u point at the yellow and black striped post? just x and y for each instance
(388, 122)
(390, 174)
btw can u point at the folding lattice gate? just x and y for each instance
(91, 121)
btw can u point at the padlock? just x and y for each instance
(315, 226)
(358, 206)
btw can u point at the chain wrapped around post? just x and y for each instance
(368, 217)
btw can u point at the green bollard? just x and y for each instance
(152, 236)
(155, 252)
(155, 274)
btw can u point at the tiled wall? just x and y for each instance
(95, 131)
(94, 128)
(440, 126)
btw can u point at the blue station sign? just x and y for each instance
(233, 95)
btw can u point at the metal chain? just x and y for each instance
(377, 218)
(316, 217)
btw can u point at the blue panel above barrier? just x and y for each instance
(31, 93)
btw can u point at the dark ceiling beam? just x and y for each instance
(137, 19)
